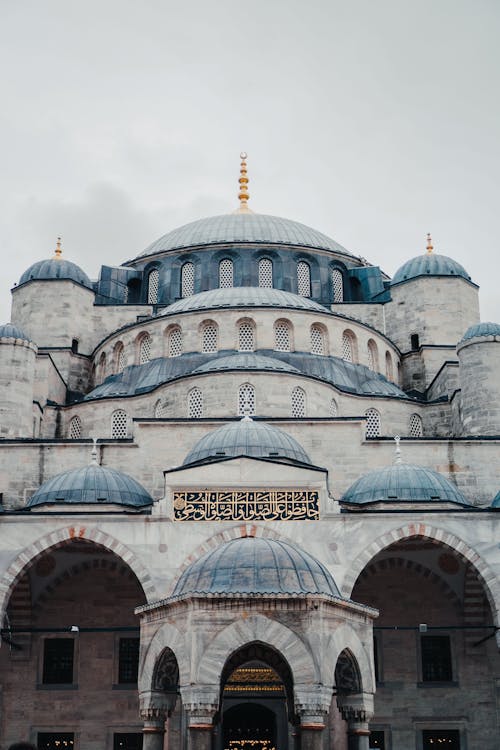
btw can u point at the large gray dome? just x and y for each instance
(430, 264)
(255, 566)
(246, 361)
(55, 268)
(10, 331)
(92, 484)
(247, 438)
(243, 228)
(242, 296)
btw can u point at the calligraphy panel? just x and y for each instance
(246, 505)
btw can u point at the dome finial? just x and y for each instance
(430, 246)
(58, 250)
(243, 194)
(397, 453)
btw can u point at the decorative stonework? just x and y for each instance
(246, 505)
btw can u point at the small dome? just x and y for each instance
(481, 329)
(92, 484)
(243, 228)
(430, 264)
(247, 438)
(10, 331)
(403, 483)
(247, 361)
(242, 296)
(255, 566)
(55, 268)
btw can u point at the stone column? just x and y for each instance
(201, 704)
(357, 710)
(312, 703)
(154, 728)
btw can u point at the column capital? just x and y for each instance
(155, 704)
(201, 703)
(312, 704)
(356, 708)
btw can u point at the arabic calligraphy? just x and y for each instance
(246, 505)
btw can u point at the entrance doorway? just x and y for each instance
(249, 726)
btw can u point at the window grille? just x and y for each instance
(334, 409)
(416, 427)
(317, 340)
(128, 661)
(337, 285)
(187, 280)
(298, 402)
(282, 336)
(246, 337)
(120, 359)
(161, 409)
(226, 273)
(246, 400)
(58, 661)
(153, 280)
(55, 740)
(372, 355)
(265, 272)
(303, 279)
(175, 343)
(436, 658)
(119, 424)
(372, 423)
(347, 352)
(389, 373)
(195, 403)
(210, 338)
(145, 349)
(75, 428)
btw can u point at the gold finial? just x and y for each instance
(243, 194)
(430, 246)
(58, 251)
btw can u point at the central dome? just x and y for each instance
(256, 566)
(246, 228)
(242, 296)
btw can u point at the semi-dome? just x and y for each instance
(10, 331)
(403, 483)
(255, 566)
(92, 484)
(243, 228)
(246, 361)
(481, 329)
(242, 296)
(430, 264)
(247, 438)
(55, 268)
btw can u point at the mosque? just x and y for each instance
(249, 498)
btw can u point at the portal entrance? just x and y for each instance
(249, 725)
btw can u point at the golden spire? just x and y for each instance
(58, 251)
(243, 194)
(430, 247)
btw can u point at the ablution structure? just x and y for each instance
(250, 492)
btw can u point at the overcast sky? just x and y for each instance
(373, 121)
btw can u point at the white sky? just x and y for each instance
(373, 121)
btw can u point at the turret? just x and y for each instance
(479, 357)
(17, 373)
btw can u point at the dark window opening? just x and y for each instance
(414, 341)
(127, 741)
(55, 740)
(74, 346)
(445, 738)
(128, 663)
(377, 739)
(134, 291)
(58, 661)
(376, 646)
(436, 658)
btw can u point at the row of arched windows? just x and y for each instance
(246, 405)
(265, 276)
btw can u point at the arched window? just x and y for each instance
(145, 349)
(75, 428)
(246, 400)
(187, 280)
(389, 372)
(337, 285)
(372, 355)
(282, 336)
(317, 339)
(246, 336)
(298, 402)
(209, 338)
(372, 423)
(334, 409)
(119, 424)
(102, 367)
(195, 403)
(175, 342)
(153, 279)
(348, 346)
(303, 279)
(119, 357)
(161, 409)
(266, 272)
(226, 273)
(416, 426)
